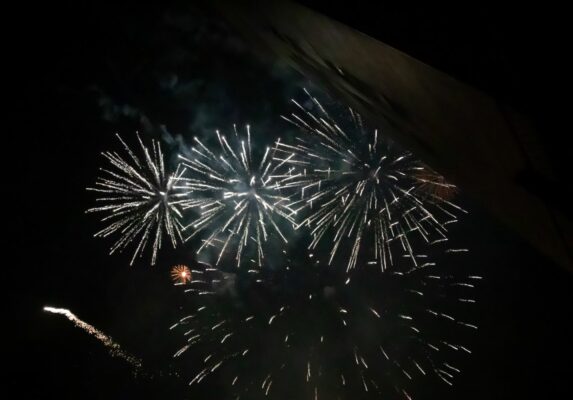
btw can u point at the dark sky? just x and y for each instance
(91, 70)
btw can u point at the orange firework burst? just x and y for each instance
(434, 184)
(181, 274)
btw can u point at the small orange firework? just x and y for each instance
(434, 184)
(181, 274)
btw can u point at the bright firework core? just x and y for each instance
(246, 188)
(181, 274)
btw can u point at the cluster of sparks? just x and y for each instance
(353, 182)
(140, 199)
(411, 334)
(207, 329)
(348, 186)
(237, 197)
(114, 348)
(346, 183)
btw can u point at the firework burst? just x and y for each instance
(352, 182)
(140, 199)
(309, 332)
(238, 199)
(181, 274)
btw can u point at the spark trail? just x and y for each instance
(113, 347)
(238, 199)
(140, 198)
(356, 185)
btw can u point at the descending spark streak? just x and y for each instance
(238, 200)
(114, 348)
(140, 198)
(353, 182)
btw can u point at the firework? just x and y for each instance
(113, 347)
(352, 181)
(181, 274)
(238, 199)
(140, 198)
(307, 331)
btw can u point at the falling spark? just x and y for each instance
(356, 186)
(114, 348)
(413, 331)
(140, 198)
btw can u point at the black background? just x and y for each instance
(85, 71)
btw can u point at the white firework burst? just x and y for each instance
(352, 182)
(140, 199)
(238, 199)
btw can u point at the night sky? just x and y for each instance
(172, 72)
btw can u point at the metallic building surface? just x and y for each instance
(475, 141)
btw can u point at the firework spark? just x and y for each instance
(353, 181)
(114, 348)
(238, 199)
(298, 332)
(140, 198)
(435, 185)
(181, 274)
